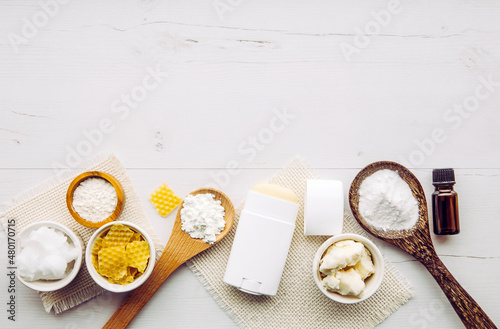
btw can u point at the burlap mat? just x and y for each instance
(299, 303)
(47, 202)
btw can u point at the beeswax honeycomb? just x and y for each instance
(118, 235)
(113, 262)
(164, 200)
(136, 237)
(97, 245)
(129, 277)
(95, 262)
(138, 255)
(120, 254)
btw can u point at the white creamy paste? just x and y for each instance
(45, 255)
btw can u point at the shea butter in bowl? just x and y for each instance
(120, 256)
(348, 268)
(49, 256)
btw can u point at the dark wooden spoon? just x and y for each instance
(417, 242)
(179, 249)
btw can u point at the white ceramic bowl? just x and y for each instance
(372, 283)
(105, 283)
(52, 285)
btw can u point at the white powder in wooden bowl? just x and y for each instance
(386, 201)
(95, 199)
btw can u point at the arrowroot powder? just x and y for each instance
(386, 201)
(95, 199)
(202, 217)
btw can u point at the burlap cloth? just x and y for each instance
(299, 303)
(47, 201)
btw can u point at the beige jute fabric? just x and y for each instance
(299, 303)
(47, 202)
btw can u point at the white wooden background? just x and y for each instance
(227, 67)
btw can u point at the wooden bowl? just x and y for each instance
(120, 194)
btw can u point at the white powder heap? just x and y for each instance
(45, 254)
(202, 217)
(95, 199)
(386, 201)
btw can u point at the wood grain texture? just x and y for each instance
(417, 242)
(179, 249)
(240, 69)
(224, 78)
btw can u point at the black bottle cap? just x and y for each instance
(443, 176)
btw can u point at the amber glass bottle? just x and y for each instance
(445, 202)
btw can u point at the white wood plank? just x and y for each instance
(396, 91)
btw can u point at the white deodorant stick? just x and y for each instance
(262, 240)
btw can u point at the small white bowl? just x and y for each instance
(117, 287)
(52, 285)
(372, 283)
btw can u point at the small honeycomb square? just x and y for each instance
(164, 200)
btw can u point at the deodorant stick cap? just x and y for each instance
(323, 207)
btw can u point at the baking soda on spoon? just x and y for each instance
(386, 201)
(202, 217)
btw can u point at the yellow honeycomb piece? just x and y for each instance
(164, 200)
(118, 235)
(136, 237)
(138, 255)
(97, 245)
(95, 262)
(113, 262)
(126, 279)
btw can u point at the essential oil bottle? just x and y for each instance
(444, 202)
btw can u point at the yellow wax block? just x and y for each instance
(97, 245)
(136, 237)
(113, 262)
(118, 235)
(137, 255)
(164, 200)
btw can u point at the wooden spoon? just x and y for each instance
(417, 242)
(179, 249)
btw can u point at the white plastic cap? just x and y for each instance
(323, 207)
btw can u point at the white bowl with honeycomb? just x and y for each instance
(120, 256)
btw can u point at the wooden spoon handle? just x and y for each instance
(167, 264)
(466, 307)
